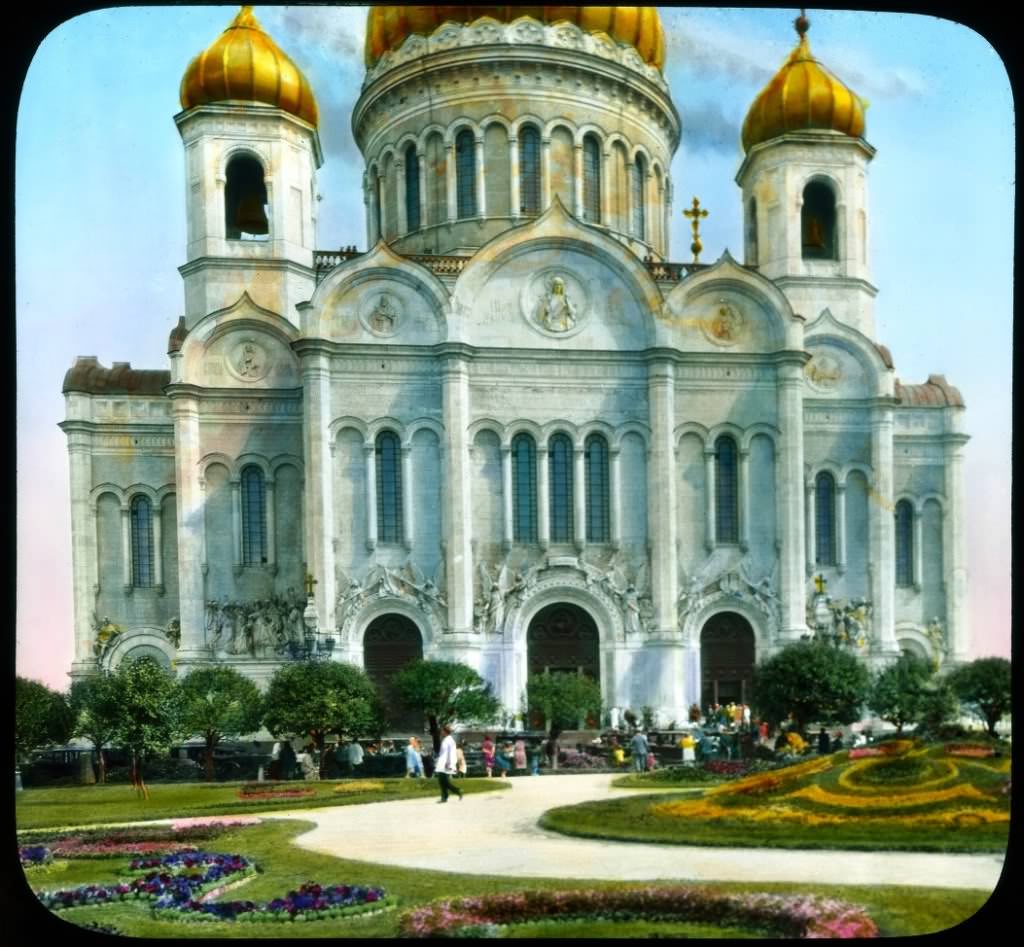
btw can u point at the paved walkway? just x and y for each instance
(496, 833)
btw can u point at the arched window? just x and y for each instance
(752, 230)
(904, 544)
(254, 517)
(595, 455)
(142, 542)
(412, 189)
(818, 222)
(726, 492)
(524, 489)
(389, 488)
(639, 187)
(825, 519)
(591, 179)
(465, 173)
(245, 200)
(529, 170)
(561, 499)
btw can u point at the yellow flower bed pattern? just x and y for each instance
(848, 778)
(816, 794)
(367, 785)
(765, 782)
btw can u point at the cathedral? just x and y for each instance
(512, 432)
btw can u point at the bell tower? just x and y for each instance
(249, 129)
(804, 184)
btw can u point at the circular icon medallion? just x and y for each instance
(555, 303)
(724, 324)
(823, 372)
(381, 314)
(248, 361)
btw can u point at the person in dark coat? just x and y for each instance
(824, 745)
(287, 760)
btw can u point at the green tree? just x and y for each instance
(899, 692)
(41, 717)
(318, 698)
(983, 688)
(811, 681)
(147, 701)
(563, 698)
(95, 712)
(938, 706)
(446, 692)
(218, 703)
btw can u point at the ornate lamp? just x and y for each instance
(313, 647)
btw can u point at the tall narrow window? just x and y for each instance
(389, 488)
(529, 170)
(904, 544)
(254, 517)
(142, 542)
(595, 454)
(465, 173)
(825, 520)
(752, 231)
(524, 489)
(818, 222)
(412, 189)
(726, 492)
(245, 200)
(639, 185)
(561, 499)
(591, 179)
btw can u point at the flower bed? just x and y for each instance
(581, 761)
(895, 747)
(252, 796)
(786, 916)
(861, 751)
(816, 793)
(33, 856)
(868, 775)
(969, 749)
(184, 831)
(214, 822)
(360, 785)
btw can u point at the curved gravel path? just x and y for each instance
(496, 833)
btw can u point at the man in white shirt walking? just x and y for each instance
(447, 758)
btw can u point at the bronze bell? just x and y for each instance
(250, 216)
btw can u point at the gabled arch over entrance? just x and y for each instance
(727, 655)
(391, 642)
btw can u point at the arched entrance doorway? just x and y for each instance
(727, 651)
(563, 637)
(390, 643)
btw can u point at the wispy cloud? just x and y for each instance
(706, 127)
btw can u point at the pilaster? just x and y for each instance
(457, 512)
(882, 532)
(661, 493)
(954, 548)
(83, 548)
(790, 499)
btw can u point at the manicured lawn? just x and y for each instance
(921, 800)
(897, 911)
(96, 805)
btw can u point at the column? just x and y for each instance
(615, 495)
(917, 549)
(370, 459)
(422, 163)
(513, 165)
(954, 544)
(882, 533)
(158, 552)
(271, 524)
(506, 496)
(577, 180)
(236, 522)
(481, 190)
(664, 248)
(370, 202)
(382, 203)
(709, 505)
(811, 520)
(579, 495)
(407, 511)
(318, 481)
(604, 201)
(543, 498)
(449, 169)
(403, 216)
(457, 510)
(662, 516)
(191, 529)
(545, 173)
(126, 549)
(841, 527)
(790, 500)
(744, 491)
(84, 560)
(628, 223)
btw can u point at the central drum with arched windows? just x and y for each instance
(390, 643)
(727, 651)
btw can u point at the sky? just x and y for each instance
(100, 226)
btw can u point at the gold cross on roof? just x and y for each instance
(820, 583)
(310, 582)
(695, 213)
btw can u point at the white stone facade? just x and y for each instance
(466, 333)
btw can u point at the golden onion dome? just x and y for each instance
(803, 94)
(388, 26)
(245, 64)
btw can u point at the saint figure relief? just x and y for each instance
(557, 312)
(725, 324)
(249, 362)
(384, 314)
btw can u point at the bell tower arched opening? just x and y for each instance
(245, 200)
(727, 654)
(390, 643)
